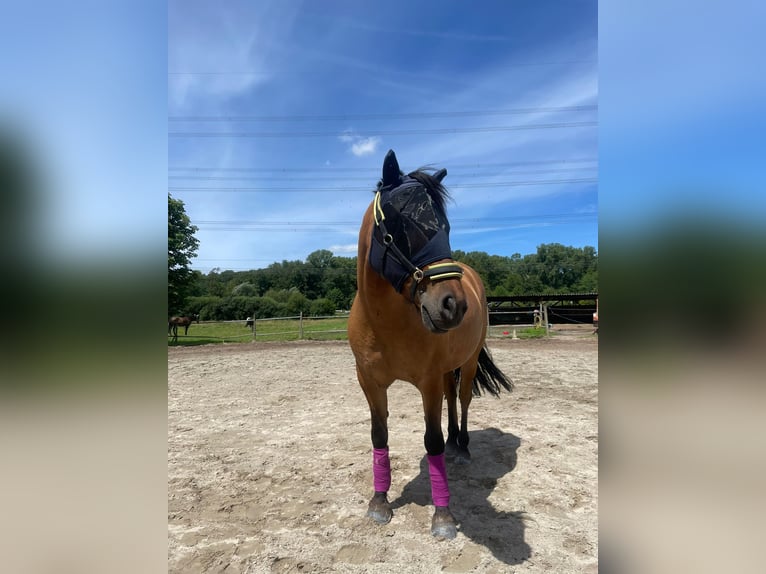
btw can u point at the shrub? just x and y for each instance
(205, 306)
(266, 307)
(321, 307)
(297, 303)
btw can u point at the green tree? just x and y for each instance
(245, 289)
(321, 259)
(182, 248)
(562, 268)
(338, 298)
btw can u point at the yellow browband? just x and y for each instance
(445, 275)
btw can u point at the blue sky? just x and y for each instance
(680, 117)
(681, 114)
(331, 86)
(84, 90)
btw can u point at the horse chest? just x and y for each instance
(415, 361)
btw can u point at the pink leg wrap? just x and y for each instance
(381, 469)
(438, 473)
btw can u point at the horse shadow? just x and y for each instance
(493, 456)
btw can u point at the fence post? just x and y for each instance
(300, 326)
(545, 318)
(254, 323)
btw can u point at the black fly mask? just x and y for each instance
(411, 228)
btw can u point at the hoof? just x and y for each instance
(463, 457)
(379, 509)
(458, 453)
(443, 524)
(451, 448)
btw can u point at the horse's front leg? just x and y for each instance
(379, 508)
(443, 523)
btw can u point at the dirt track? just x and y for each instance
(269, 465)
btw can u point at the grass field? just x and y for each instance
(265, 330)
(521, 332)
(324, 328)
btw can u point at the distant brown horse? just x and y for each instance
(184, 321)
(418, 316)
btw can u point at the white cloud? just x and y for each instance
(183, 87)
(365, 146)
(477, 229)
(360, 146)
(217, 52)
(347, 248)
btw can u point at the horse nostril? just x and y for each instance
(449, 305)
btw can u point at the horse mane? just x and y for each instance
(426, 177)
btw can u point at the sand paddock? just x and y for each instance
(269, 464)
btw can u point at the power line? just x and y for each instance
(303, 268)
(359, 189)
(458, 224)
(430, 131)
(223, 259)
(376, 169)
(356, 223)
(277, 223)
(382, 116)
(200, 268)
(367, 179)
(245, 73)
(313, 231)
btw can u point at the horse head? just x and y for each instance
(410, 244)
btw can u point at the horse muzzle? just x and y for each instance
(443, 306)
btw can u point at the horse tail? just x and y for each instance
(489, 377)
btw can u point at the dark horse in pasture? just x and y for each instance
(184, 321)
(421, 317)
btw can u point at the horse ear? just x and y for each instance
(391, 171)
(439, 175)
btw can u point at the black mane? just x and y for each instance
(439, 193)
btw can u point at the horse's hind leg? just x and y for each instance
(450, 393)
(466, 395)
(379, 508)
(467, 374)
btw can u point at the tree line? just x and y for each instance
(324, 282)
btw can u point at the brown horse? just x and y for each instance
(184, 321)
(418, 316)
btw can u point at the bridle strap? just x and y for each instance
(388, 239)
(435, 272)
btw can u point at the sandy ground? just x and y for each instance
(269, 464)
